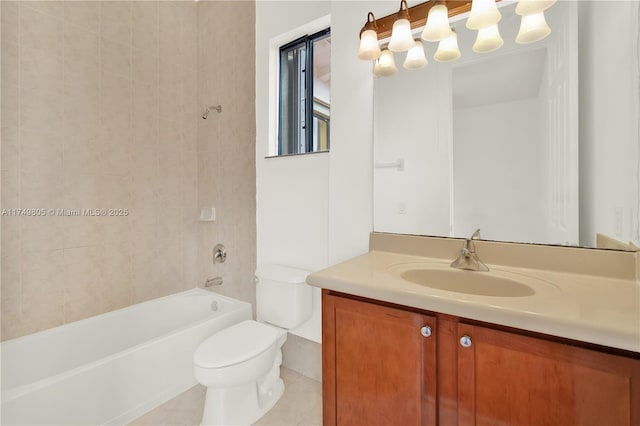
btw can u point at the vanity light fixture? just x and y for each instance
(369, 47)
(385, 64)
(401, 37)
(529, 7)
(488, 40)
(433, 16)
(532, 28)
(484, 14)
(437, 27)
(416, 58)
(448, 50)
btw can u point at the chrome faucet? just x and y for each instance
(468, 258)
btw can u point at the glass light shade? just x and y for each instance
(385, 65)
(401, 38)
(488, 40)
(529, 7)
(448, 49)
(437, 27)
(369, 47)
(415, 57)
(484, 13)
(532, 28)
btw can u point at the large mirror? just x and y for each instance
(534, 143)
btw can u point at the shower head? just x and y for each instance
(206, 111)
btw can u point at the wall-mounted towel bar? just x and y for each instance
(398, 165)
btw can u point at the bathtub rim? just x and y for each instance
(7, 395)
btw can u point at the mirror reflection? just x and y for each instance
(531, 143)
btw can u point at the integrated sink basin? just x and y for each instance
(478, 283)
(495, 283)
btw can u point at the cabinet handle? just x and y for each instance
(425, 331)
(465, 341)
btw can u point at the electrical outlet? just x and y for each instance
(402, 208)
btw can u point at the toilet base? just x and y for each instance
(240, 405)
(243, 404)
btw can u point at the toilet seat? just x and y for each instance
(236, 344)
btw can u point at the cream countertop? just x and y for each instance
(590, 308)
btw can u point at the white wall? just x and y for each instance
(315, 210)
(414, 129)
(609, 145)
(350, 165)
(487, 192)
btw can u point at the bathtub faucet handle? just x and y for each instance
(219, 253)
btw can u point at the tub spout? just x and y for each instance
(213, 281)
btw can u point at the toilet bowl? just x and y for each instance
(240, 365)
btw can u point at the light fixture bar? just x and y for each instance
(418, 15)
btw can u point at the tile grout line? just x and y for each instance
(131, 146)
(64, 137)
(156, 142)
(21, 289)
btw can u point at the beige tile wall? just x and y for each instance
(100, 110)
(226, 143)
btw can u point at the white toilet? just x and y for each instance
(240, 365)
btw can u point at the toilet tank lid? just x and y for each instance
(281, 273)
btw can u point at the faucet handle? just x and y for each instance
(469, 247)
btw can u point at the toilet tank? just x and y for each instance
(283, 297)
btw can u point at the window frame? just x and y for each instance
(307, 41)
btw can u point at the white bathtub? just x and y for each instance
(111, 368)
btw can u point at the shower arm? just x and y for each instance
(218, 108)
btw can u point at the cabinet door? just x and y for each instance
(378, 367)
(508, 379)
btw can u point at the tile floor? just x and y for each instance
(301, 404)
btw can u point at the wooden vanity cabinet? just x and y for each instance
(380, 368)
(508, 379)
